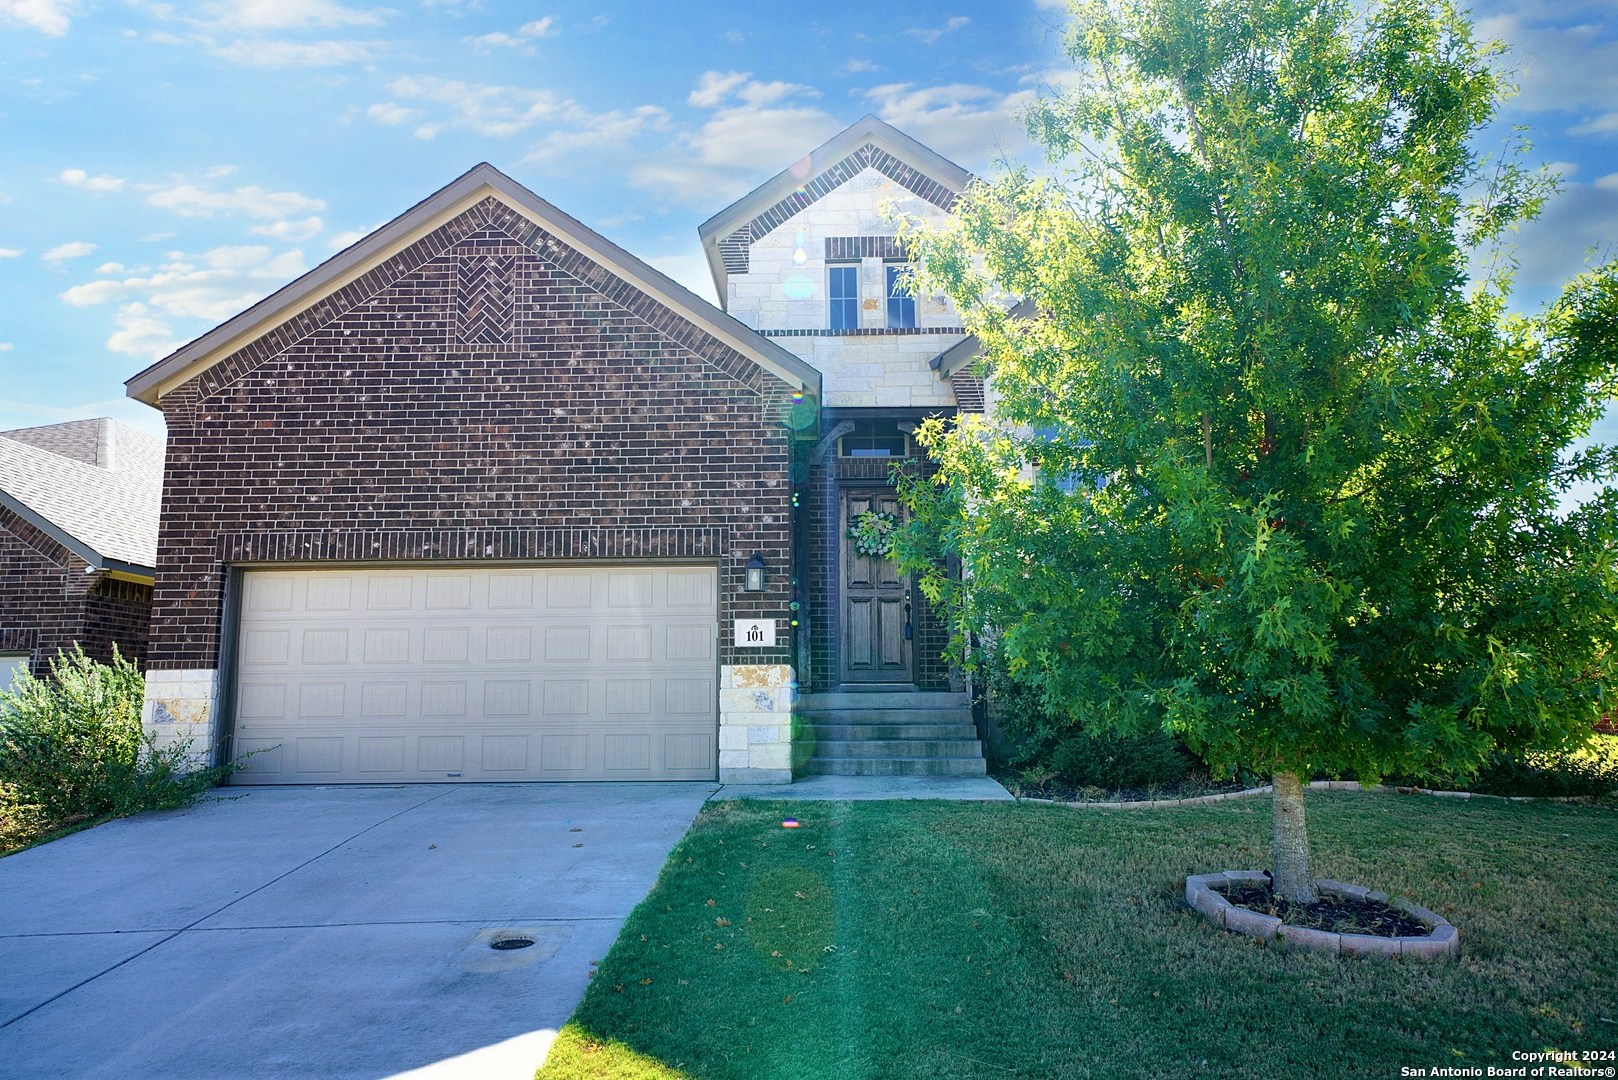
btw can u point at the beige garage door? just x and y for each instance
(448, 674)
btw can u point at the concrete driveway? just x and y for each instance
(324, 932)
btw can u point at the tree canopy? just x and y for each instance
(1271, 465)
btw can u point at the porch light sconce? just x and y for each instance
(754, 579)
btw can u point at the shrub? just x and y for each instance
(1591, 772)
(1113, 761)
(71, 747)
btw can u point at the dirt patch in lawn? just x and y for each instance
(1332, 914)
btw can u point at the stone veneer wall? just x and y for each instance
(488, 393)
(871, 368)
(755, 723)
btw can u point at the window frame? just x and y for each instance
(847, 306)
(901, 306)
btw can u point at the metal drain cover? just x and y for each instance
(514, 941)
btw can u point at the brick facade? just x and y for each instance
(488, 393)
(48, 603)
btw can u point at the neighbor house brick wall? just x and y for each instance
(488, 393)
(48, 603)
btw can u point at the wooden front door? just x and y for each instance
(876, 645)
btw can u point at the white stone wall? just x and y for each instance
(180, 705)
(755, 724)
(887, 370)
(786, 289)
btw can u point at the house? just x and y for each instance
(487, 497)
(78, 541)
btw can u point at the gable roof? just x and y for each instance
(93, 486)
(867, 143)
(481, 182)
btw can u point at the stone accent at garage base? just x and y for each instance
(180, 705)
(755, 723)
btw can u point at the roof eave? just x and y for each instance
(78, 547)
(353, 262)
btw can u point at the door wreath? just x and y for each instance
(873, 533)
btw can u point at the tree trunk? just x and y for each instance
(1292, 881)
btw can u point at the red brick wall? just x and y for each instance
(48, 602)
(487, 394)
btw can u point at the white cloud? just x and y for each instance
(219, 172)
(49, 17)
(499, 111)
(929, 36)
(714, 87)
(970, 124)
(289, 14)
(1605, 124)
(690, 270)
(110, 268)
(854, 67)
(271, 55)
(753, 133)
(1580, 219)
(232, 278)
(10, 253)
(188, 200)
(291, 231)
(6, 346)
(140, 334)
(1562, 68)
(595, 131)
(391, 113)
(79, 178)
(72, 250)
(526, 34)
(344, 239)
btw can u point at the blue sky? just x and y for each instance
(166, 164)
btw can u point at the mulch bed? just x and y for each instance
(1064, 791)
(1332, 914)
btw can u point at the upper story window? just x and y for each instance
(874, 438)
(901, 307)
(844, 291)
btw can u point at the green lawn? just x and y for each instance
(888, 940)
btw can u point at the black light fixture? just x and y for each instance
(754, 580)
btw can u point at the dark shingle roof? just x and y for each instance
(99, 482)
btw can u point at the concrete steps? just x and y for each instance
(888, 732)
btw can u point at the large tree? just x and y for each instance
(1271, 466)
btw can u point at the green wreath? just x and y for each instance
(873, 532)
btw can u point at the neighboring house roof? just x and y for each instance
(867, 143)
(93, 486)
(481, 182)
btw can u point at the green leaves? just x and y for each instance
(1266, 470)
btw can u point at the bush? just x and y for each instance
(1593, 771)
(1115, 762)
(72, 748)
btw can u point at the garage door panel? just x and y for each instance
(510, 674)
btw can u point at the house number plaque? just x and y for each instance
(755, 633)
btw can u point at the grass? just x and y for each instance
(893, 940)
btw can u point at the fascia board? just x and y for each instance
(410, 227)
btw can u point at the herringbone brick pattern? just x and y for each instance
(485, 299)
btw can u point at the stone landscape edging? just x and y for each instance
(1441, 939)
(1314, 785)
